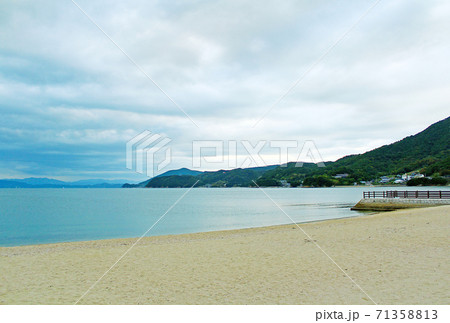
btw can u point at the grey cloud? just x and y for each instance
(66, 90)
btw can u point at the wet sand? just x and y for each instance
(398, 257)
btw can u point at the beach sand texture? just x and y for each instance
(399, 257)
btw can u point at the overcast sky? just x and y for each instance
(70, 99)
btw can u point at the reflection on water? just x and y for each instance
(32, 216)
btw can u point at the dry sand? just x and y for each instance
(399, 257)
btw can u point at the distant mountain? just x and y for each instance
(54, 183)
(174, 172)
(181, 171)
(427, 152)
(222, 178)
(34, 181)
(85, 182)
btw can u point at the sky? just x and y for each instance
(78, 80)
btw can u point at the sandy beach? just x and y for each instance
(398, 257)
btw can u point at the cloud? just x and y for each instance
(70, 99)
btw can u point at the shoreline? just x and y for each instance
(361, 214)
(395, 186)
(398, 257)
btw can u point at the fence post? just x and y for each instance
(440, 194)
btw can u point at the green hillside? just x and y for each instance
(222, 178)
(426, 152)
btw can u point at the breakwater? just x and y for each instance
(394, 200)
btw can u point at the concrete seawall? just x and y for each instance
(389, 204)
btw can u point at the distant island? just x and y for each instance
(422, 159)
(33, 182)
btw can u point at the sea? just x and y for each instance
(48, 215)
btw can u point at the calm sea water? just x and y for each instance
(35, 216)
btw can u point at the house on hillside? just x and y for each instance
(406, 177)
(385, 179)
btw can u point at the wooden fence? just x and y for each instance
(407, 194)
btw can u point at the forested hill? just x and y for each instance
(427, 152)
(222, 178)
